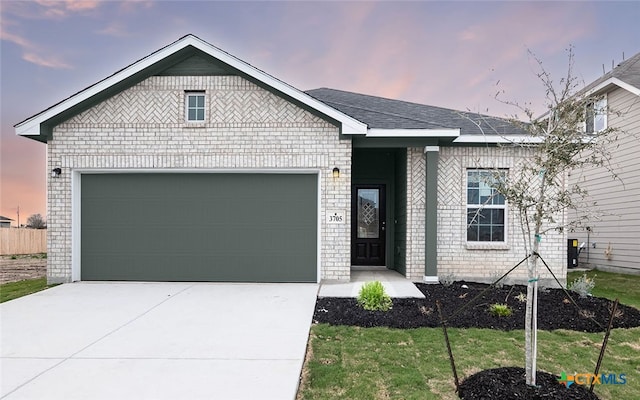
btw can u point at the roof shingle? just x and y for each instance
(383, 113)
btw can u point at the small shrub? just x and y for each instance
(14, 257)
(372, 297)
(521, 297)
(500, 310)
(447, 280)
(582, 285)
(586, 313)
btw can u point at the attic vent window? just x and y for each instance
(194, 106)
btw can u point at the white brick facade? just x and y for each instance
(484, 262)
(246, 127)
(249, 128)
(416, 181)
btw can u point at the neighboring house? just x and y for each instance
(612, 240)
(5, 222)
(192, 165)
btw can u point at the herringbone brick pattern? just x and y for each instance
(245, 127)
(484, 261)
(134, 107)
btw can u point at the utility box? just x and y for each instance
(572, 253)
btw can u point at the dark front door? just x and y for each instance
(368, 227)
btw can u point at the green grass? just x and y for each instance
(13, 290)
(380, 363)
(611, 285)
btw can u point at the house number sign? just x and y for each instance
(336, 217)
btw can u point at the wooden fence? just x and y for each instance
(22, 241)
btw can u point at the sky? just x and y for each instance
(450, 54)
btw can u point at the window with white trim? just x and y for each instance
(194, 106)
(486, 208)
(596, 116)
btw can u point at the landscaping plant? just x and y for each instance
(373, 297)
(500, 310)
(582, 285)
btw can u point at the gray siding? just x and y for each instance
(616, 222)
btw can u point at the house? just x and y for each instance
(611, 239)
(192, 165)
(5, 222)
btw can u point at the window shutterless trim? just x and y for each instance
(196, 109)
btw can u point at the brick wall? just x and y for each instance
(245, 127)
(484, 262)
(416, 180)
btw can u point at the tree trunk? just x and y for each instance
(531, 319)
(531, 315)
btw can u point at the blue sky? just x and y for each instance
(449, 54)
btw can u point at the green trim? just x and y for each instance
(377, 166)
(431, 214)
(391, 143)
(172, 63)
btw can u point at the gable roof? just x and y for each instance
(380, 114)
(40, 126)
(625, 75)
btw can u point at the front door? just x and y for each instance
(368, 225)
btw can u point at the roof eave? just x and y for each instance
(610, 83)
(498, 139)
(32, 126)
(413, 133)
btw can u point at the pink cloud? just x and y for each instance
(56, 8)
(33, 53)
(115, 29)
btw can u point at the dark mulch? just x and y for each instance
(509, 383)
(555, 310)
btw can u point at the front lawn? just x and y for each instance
(382, 363)
(13, 290)
(611, 285)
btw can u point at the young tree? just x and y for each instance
(36, 221)
(538, 190)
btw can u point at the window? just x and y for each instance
(596, 116)
(194, 106)
(486, 208)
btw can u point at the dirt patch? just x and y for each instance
(18, 268)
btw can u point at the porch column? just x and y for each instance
(431, 215)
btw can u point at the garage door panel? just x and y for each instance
(199, 227)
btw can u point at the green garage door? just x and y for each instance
(199, 227)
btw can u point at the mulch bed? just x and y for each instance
(509, 383)
(555, 310)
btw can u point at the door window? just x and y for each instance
(368, 213)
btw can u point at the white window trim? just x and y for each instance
(485, 245)
(603, 101)
(187, 95)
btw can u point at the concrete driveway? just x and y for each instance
(156, 341)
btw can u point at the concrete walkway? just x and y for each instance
(156, 341)
(394, 283)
